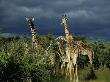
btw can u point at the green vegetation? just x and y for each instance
(19, 62)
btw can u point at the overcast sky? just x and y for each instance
(89, 18)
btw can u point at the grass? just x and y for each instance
(103, 74)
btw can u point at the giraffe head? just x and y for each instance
(64, 19)
(30, 21)
(30, 18)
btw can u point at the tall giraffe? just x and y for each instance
(72, 57)
(73, 49)
(67, 33)
(36, 43)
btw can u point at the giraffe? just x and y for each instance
(73, 49)
(60, 41)
(36, 43)
(72, 57)
(86, 50)
(64, 22)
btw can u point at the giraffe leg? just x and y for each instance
(76, 73)
(70, 71)
(62, 67)
(67, 70)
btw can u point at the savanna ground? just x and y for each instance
(19, 62)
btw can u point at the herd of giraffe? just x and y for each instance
(68, 47)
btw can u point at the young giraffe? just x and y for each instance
(36, 43)
(86, 50)
(73, 50)
(63, 59)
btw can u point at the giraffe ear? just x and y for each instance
(32, 19)
(61, 23)
(27, 19)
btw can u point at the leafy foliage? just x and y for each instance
(21, 63)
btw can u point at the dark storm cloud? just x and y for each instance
(87, 17)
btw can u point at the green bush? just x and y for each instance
(21, 63)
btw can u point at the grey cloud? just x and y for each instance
(84, 15)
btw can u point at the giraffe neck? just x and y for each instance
(34, 36)
(31, 25)
(66, 30)
(68, 35)
(61, 49)
(35, 41)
